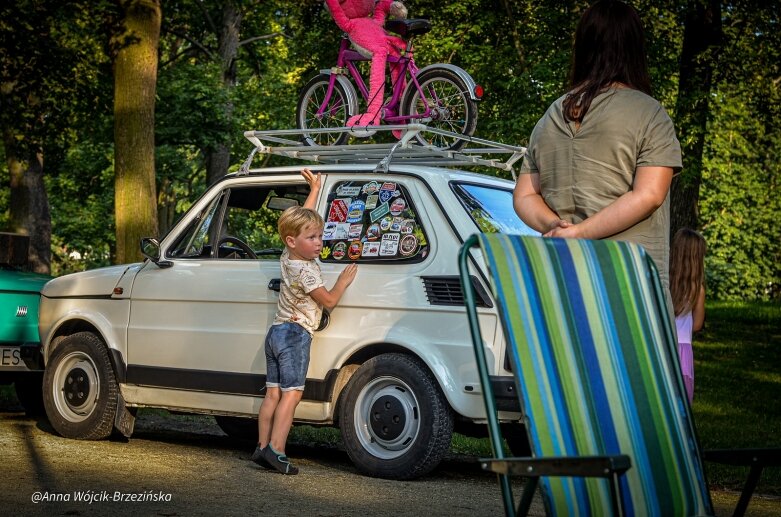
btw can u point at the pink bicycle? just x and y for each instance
(442, 96)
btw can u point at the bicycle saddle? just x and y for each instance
(408, 28)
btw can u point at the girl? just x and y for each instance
(687, 286)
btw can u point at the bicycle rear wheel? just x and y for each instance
(336, 113)
(447, 95)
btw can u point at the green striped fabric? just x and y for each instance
(597, 368)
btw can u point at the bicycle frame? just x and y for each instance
(347, 63)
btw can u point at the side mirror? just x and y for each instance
(150, 248)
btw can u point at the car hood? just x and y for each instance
(13, 280)
(95, 282)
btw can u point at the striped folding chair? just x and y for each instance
(596, 367)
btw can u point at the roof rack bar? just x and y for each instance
(408, 149)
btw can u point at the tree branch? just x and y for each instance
(265, 36)
(208, 18)
(193, 42)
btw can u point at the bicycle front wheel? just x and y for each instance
(335, 114)
(446, 95)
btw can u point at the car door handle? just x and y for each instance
(274, 284)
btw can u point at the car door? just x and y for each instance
(200, 324)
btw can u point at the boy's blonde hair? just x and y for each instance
(293, 221)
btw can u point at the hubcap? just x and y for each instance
(387, 417)
(76, 387)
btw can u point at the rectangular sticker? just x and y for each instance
(379, 212)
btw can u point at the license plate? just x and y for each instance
(10, 359)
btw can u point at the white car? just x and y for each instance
(393, 367)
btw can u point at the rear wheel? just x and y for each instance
(80, 388)
(336, 113)
(395, 421)
(452, 109)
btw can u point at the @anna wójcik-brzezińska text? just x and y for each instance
(101, 496)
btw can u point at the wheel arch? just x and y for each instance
(441, 374)
(76, 325)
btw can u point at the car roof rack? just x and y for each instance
(475, 152)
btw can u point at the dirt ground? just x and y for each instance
(182, 465)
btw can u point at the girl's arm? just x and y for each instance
(698, 311)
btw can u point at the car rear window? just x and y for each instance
(491, 208)
(372, 221)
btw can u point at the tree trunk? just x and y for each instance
(135, 77)
(701, 42)
(218, 159)
(29, 205)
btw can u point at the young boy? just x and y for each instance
(302, 297)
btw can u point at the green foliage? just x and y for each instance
(519, 51)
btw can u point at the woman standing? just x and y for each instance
(600, 161)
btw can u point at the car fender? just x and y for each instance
(96, 316)
(452, 364)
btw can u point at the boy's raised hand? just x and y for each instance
(312, 179)
(314, 187)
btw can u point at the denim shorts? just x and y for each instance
(287, 356)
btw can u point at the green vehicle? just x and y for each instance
(20, 356)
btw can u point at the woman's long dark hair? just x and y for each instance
(609, 47)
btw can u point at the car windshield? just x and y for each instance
(491, 209)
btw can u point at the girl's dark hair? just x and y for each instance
(609, 47)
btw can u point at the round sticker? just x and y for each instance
(408, 245)
(385, 223)
(354, 251)
(397, 206)
(340, 250)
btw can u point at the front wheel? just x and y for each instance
(80, 388)
(446, 96)
(395, 421)
(335, 114)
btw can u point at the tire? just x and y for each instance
(80, 388)
(453, 109)
(412, 425)
(237, 427)
(339, 111)
(29, 391)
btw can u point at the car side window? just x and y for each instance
(491, 208)
(372, 221)
(196, 240)
(240, 224)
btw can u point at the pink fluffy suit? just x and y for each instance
(363, 23)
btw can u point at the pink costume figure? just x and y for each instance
(363, 24)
